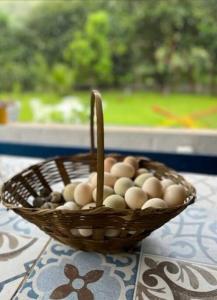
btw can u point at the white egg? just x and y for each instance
(142, 178)
(141, 171)
(75, 232)
(85, 232)
(83, 194)
(132, 161)
(135, 197)
(155, 203)
(165, 183)
(112, 232)
(89, 205)
(108, 163)
(152, 187)
(122, 169)
(122, 185)
(107, 191)
(174, 195)
(69, 205)
(115, 201)
(109, 180)
(68, 192)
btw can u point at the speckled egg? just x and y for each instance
(165, 183)
(56, 197)
(135, 197)
(68, 192)
(122, 185)
(115, 201)
(107, 191)
(152, 187)
(139, 181)
(108, 163)
(122, 169)
(131, 160)
(83, 194)
(155, 203)
(174, 195)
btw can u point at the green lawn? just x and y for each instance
(135, 108)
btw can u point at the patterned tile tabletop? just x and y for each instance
(177, 261)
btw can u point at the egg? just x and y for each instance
(110, 232)
(82, 194)
(69, 205)
(91, 176)
(121, 169)
(155, 203)
(75, 232)
(39, 201)
(107, 191)
(68, 192)
(109, 180)
(108, 163)
(56, 197)
(141, 171)
(122, 185)
(49, 205)
(132, 161)
(135, 197)
(165, 183)
(142, 178)
(152, 187)
(174, 195)
(85, 232)
(89, 205)
(115, 201)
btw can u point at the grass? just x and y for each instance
(136, 108)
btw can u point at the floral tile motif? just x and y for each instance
(168, 279)
(17, 255)
(192, 235)
(63, 273)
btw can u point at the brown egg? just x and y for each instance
(112, 232)
(135, 197)
(152, 187)
(56, 197)
(155, 203)
(108, 163)
(109, 180)
(68, 192)
(174, 195)
(121, 169)
(89, 205)
(107, 191)
(86, 232)
(165, 183)
(142, 178)
(115, 201)
(141, 171)
(132, 161)
(83, 194)
(122, 185)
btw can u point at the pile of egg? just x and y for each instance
(125, 186)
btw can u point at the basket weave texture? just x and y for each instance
(134, 225)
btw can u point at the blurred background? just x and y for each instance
(155, 62)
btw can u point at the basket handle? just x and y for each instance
(96, 102)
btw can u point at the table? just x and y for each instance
(177, 261)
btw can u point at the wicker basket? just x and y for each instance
(134, 225)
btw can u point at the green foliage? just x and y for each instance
(169, 44)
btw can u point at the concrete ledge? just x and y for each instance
(123, 138)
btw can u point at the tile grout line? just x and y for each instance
(31, 269)
(138, 272)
